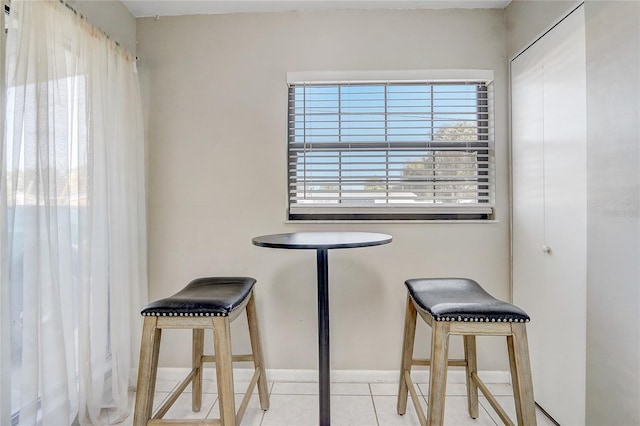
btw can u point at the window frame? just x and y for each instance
(483, 205)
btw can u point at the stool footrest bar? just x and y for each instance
(203, 422)
(451, 362)
(492, 400)
(414, 398)
(247, 396)
(234, 358)
(175, 395)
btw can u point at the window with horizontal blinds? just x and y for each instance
(391, 150)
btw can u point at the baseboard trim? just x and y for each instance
(341, 376)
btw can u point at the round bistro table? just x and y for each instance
(322, 242)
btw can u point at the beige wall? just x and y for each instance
(217, 104)
(613, 192)
(613, 230)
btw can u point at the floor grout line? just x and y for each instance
(373, 403)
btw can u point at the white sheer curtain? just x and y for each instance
(72, 187)
(5, 295)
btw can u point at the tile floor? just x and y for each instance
(352, 404)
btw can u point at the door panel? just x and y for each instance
(554, 291)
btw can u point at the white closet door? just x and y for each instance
(549, 213)
(565, 135)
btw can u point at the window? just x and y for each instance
(392, 149)
(65, 201)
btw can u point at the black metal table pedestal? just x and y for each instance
(323, 337)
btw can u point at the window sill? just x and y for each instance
(394, 221)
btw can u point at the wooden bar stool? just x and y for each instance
(205, 303)
(460, 306)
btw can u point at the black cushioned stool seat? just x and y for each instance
(205, 303)
(458, 299)
(461, 306)
(213, 296)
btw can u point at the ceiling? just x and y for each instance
(144, 8)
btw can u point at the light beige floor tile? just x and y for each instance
(387, 413)
(291, 410)
(252, 416)
(424, 388)
(310, 388)
(347, 410)
(509, 406)
(158, 399)
(163, 385)
(460, 389)
(295, 388)
(350, 389)
(456, 413)
(301, 410)
(500, 389)
(211, 386)
(241, 388)
(452, 389)
(384, 389)
(181, 409)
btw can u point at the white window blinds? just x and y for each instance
(391, 150)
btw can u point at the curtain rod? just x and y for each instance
(84, 18)
(7, 10)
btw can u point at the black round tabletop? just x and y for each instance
(322, 240)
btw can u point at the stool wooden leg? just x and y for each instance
(407, 353)
(196, 363)
(521, 375)
(147, 370)
(471, 370)
(256, 349)
(438, 372)
(224, 370)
